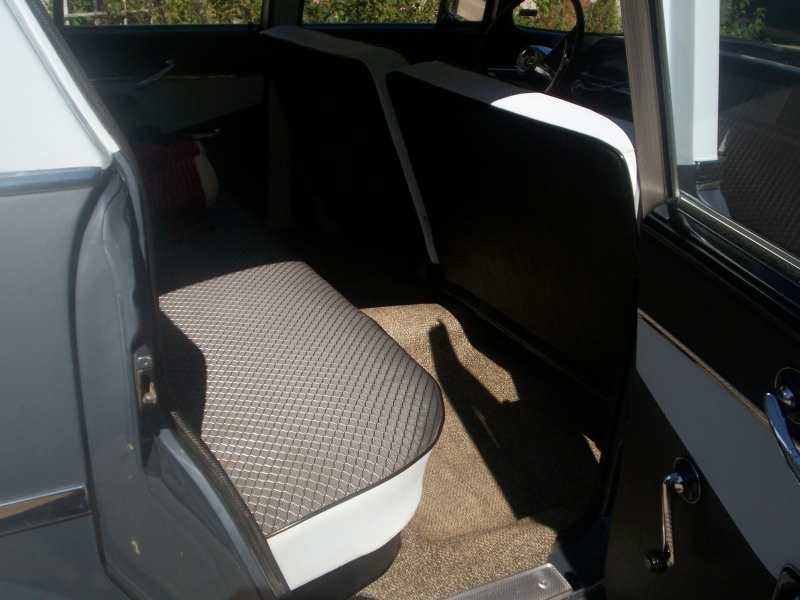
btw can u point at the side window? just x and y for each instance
(602, 16)
(759, 118)
(159, 12)
(370, 11)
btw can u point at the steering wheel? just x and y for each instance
(543, 68)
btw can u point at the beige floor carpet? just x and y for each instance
(511, 468)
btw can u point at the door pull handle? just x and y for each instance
(686, 483)
(782, 405)
(171, 64)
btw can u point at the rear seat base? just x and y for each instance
(321, 421)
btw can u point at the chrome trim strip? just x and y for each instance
(652, 105)
(741, 398)
(43, 509)
(31, 182)
(771, 255)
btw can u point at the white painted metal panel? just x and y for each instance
(735, 450)
(45, 123)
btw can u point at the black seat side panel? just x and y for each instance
(303, 399)
(535, 221)
(346, 156)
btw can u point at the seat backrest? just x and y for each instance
(533, 208)
(333, 92)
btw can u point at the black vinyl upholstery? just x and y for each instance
(328, 90)
(536, 221)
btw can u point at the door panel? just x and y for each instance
(216, 90)
(217, 72)
(176, 103)
(107, 51)
(715, 328)
(712, 558)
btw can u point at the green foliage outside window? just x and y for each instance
(601, 16)
(370, 11)
(161, 12)
(739, 19)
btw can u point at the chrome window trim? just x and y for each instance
(50, 180)
(44, 509)
(758, 247)
(718, 379)
(645, 41)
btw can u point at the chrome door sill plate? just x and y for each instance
(542, 583)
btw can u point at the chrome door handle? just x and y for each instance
(780, 405)
(686, 482)
(171, 64)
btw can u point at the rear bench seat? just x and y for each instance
(322, 422)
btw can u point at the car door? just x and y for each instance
(707, 502)
(100, 496)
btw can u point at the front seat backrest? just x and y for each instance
(533, 208)
(333, 92)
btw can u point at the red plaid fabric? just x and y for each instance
(171, 179)
(174, 191)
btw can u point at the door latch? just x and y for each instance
(686, 483)
(143, 372)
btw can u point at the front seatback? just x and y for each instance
(532, 202)
(351, 153)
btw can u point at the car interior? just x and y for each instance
(396, 278)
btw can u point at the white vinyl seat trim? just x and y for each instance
(563, 114)
(536, 106)
(350, 529)
(379, 61)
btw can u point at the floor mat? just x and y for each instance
(511, 468)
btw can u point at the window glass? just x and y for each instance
(370, 11)
(759, 117)
(160, 12)
(602, 16)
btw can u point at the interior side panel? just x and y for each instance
(176, 103)
(110, 51)
(215, 92)
(742, 329)
(712, 558)
(745, 330)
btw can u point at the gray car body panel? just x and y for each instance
(39, 420)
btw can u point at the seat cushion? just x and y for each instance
(305, 401)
